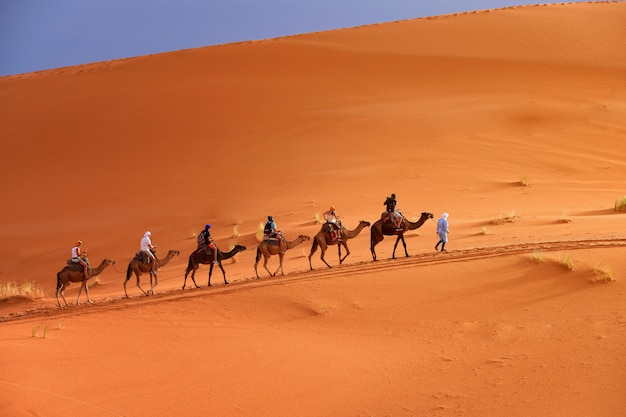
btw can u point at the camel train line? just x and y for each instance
(329, 235)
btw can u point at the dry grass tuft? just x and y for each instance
(259, 232)
(524, 181)
(567, 261)
(29, 290)
(505, 218)
(602, 274)
(537, 257)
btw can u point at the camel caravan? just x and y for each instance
(332, 233)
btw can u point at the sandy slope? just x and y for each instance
(449, 113)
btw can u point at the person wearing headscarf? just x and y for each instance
(146, 247)
(442, 231)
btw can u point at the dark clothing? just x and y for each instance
(270, 229)
(390, 202)
(204, 238)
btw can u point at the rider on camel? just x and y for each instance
(333, 222)
(78, 257)
(146, 247)
(393, 214)
(206, 242)
(270, 230)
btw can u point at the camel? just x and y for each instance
(323, 239)
(137, 266)
(385, 228)
(269, 248)
(203, 257)
(68, 274)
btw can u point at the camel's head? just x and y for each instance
(365, 223)
(240, 248)
(305, 238)
(428, 215)
(110, 261)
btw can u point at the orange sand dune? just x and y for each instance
(511, 120)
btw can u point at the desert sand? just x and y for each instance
(512, 120)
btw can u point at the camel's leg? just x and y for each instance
(87, 292)
(61, 291)
(256, 262)
(393, 254)
(398, 240)
(223, 273)
(280, 265)
(267, 257)
(80, 290)
(187, 271)
(152, 286)
(210, 273)
(139, 284)
(406, 253)
(372, 248)
(193, 275)
(313, 249)
(322, 253)
(347, 252)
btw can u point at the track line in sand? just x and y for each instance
(365, 267)
(64, 397)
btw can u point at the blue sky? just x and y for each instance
(43, 34)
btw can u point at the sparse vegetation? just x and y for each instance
(537, 257)
(565, 217)
(505, 217)
(602, 274)
(236, 231)
(484, 230)
(45, 329)
(566, 261)
(620, 204)
(259, 232)
(28, 290)
(318, 217)
(523, 180)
